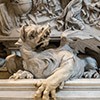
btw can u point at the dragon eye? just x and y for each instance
(42, 28)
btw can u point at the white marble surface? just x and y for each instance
(81, 89)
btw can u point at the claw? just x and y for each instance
(21, 75)
(44, 90)
(53, 94)
(91, 74)
(96, 75)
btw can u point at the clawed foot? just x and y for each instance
(91, 74)
(46, 90)
(21, 75)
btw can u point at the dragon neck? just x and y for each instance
(27, 52)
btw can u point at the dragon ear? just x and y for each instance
(23, 34)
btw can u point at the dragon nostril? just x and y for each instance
(16, 1)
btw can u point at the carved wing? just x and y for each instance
(81, 45)
(80, 40)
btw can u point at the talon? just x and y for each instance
(45, 98)
(11, 77)
(46, 95)
(35, 97)
(86, 75)
(53, 94)
(96, 75)
(39, 83)
(30, 77)
(17, 77)
(38, 94)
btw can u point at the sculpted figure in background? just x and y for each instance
(55, 66)
(15, 13)
(81, 24)
(46, 11)
(91, 13)
(72, 14)
(5, 20)
(76, 14)
(79, 11)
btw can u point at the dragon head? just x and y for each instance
(35, 35)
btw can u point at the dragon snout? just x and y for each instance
(19, 43)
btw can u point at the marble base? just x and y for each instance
(81, 89)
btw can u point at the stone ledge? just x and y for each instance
(80, 89)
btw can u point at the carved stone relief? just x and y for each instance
(26, 12)
(45, 64)
(76, 19)
(78, 26)
(81, 25)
